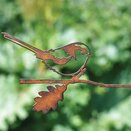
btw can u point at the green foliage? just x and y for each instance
(104, 26)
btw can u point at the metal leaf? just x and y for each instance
(49, 99)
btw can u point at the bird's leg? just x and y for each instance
(76, 77)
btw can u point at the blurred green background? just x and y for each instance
(104, 25)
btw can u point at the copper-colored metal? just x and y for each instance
(46, 54)
(48, 100)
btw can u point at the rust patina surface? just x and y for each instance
(49, 99)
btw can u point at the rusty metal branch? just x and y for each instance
(73, 82)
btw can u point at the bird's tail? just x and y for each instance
(21, 43)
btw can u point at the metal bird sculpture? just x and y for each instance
(49, 99)
(46, 55)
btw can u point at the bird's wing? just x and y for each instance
(72, 48)
(49, 56)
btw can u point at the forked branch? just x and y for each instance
(73, 80)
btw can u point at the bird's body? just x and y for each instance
(46, 55)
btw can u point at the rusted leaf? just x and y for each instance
(49, 99)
